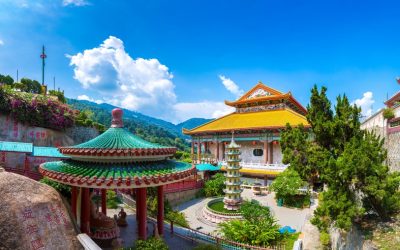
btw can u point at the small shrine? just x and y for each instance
(116, 159)
(232, 199)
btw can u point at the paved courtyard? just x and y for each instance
(292, 217)
(129, 233)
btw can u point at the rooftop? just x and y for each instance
(252, 120)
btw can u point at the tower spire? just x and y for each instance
(43, 56)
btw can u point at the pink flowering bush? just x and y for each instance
(36, 110)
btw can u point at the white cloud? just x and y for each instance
(137, 84)
(231, 86)
(365, 103)
(75, 2)
(205, 109)
(87, 98)
(1, 42)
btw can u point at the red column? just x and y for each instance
(85, 211)
(192, 149)
(265, 152)
(223, 150)
(198, 152)
(142, 213)
(74, 196)
(271, 155)
(160, 209)
(104, 201)
(217, 151)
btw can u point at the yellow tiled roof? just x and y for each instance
(253, 120)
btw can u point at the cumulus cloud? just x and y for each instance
(87, 98)
(137, 84)
(75, 2)
(231, 86)
(204, 109)
(365, 103)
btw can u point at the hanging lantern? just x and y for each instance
(254, 143)
(276, 142)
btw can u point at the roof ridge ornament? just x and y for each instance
(117, 114)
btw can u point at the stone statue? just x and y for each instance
(121, 221)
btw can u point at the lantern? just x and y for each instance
(254, 143)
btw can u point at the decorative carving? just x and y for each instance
(259, 93)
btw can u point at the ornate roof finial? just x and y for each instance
(117, 118)
(233, 143)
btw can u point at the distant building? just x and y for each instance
(260, 116)
(388, 129)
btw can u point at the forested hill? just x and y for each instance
(149, 128)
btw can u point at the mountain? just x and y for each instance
(192, 123)
(147, 127)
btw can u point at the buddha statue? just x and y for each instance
(97, 218)
(121, 220)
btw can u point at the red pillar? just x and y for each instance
(192, 149)
(271, 155)
(85, 211)
(160, 209)
(104, 201)
(198, 152)
(265, 152)
(141, 211)
(217, 154)
(74, 196)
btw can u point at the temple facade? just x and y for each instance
(389, 129)
(260, 116)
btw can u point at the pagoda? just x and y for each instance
(232, 191)
(116, 159)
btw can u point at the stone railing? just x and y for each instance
(279, 167)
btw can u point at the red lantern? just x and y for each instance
(276, 142)
(254, 143)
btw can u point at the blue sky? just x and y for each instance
(167, 58)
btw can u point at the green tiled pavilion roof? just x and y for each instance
(101, 174)
(118, 138)
(20, 147)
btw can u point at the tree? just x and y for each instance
(258, 227)
(30, 86)
(6, 79)
(215, 186)
(346, 159)
(287, 184)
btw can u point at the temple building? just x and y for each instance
(387, 128)
(260, 116)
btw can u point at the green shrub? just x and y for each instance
(149, 244)
(388, 113)
(112, 199)
(65, 190)
(324, 238)
(215, 186)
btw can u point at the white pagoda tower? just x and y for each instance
(233, 199)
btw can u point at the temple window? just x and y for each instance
(258, 152)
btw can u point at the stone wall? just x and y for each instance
(177, 198)
(11, 130)
(352, 240)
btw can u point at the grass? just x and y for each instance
(290, 239)
(219, 207)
